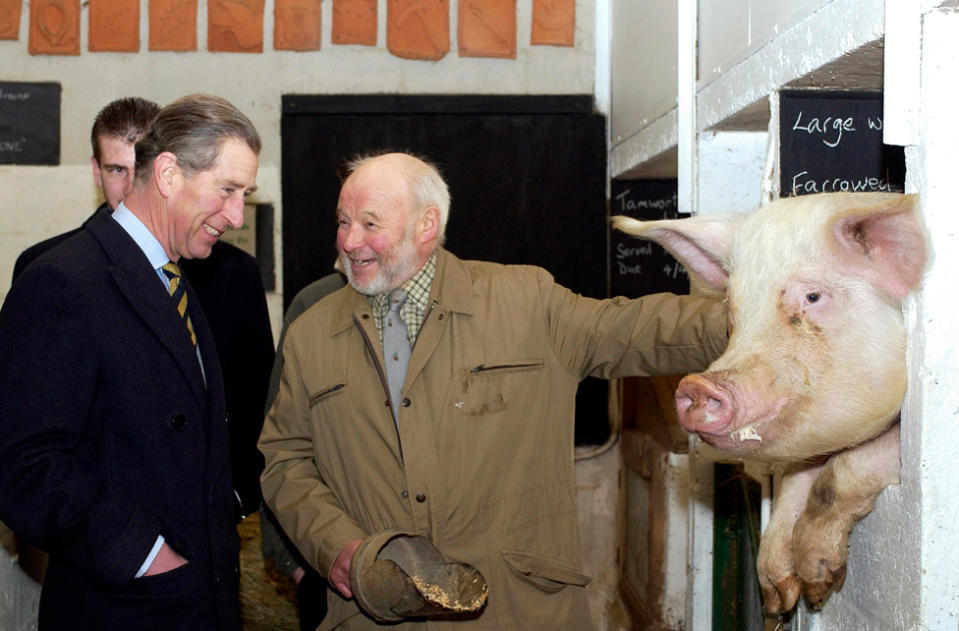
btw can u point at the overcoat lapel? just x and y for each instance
(140, 285)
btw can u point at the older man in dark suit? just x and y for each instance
(113, 432)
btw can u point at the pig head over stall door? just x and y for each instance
(815, 371)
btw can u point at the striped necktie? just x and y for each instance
(178, 293)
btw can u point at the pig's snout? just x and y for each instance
(703, 406)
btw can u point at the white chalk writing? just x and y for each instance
(672, 270)
(14, 96)
(623, 203)
(801, 183)
(14, 145)
(625, 270)
(830, 128)
(624, 251)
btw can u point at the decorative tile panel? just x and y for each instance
(354, 22)
(418, 29)
(10, 18)
(296, 25)
(114, 26)
(487, 28)
(172, 24)
(54, 27)
(235, 26)
(554, 22)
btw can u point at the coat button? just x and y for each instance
(404, 494)
(406, 402)
(420, 498)
(179, 421)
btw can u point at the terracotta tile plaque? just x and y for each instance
(54, 27)
(554, 22)
(418, 29)
(173, 24)
(354, 22)
(115, 26)
(235, 26)
(10, 19)
(487, 28)
(296, 25)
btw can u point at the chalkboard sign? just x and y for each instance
(640, 267)
(29, 123)
(832, 141)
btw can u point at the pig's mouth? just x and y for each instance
(724, 415)
(745, 437)
(746, 433)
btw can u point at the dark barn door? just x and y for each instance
(526, 176)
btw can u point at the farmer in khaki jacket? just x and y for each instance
(473, 454)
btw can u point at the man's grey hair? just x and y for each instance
(194, 128)
(426, 185)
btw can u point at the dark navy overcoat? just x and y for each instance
(109, 436)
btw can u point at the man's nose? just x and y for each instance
(128, 183)
(234, 212)
(351, 238)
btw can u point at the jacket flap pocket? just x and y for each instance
(546, 574)
(508, 365)
(325, 393)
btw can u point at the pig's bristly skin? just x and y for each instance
(815, 364)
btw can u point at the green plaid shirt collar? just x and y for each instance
(414, 310)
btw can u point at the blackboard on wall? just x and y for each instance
(639, 267)
(832, 141)
(29, 123)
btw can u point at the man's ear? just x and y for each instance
(428, 225)
(166, 170)
(96, 172)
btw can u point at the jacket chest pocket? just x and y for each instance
(492, 387)
(328, 402)
(325, 393)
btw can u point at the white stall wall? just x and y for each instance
(729, 30)
(644, 64)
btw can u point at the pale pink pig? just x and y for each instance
(815, 372)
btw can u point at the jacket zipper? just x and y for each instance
(485, 368)
(319, 395)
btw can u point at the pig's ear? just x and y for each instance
(885, 243)
(701, 243)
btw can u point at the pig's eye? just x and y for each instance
(813, 297)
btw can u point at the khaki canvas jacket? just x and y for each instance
(482, 463)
